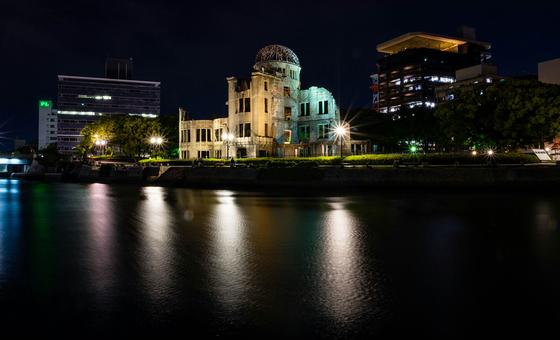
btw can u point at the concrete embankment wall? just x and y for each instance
(360, 178)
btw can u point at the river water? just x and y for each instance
(96, 259)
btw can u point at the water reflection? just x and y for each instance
(230, 252)
(101, 240)
(155, 219)
(342, 270)
(9, 224)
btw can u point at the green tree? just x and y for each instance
(126, 136)
(506, 115)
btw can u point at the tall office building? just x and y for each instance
(47, 124)
(414, 64)
(82, 100)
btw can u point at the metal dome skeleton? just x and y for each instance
(276, 53)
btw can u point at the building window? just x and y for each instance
(265, 129)
(247, 129)
(304, 107)
(287, 92)
(198, 135)
(240, 105)
(304, 133)
(203, 154)
(183, 136)
(188, 136)
(288, 113)
(218, 135)
(247, 104)
(323, 131)
(266, 105)
(240, 130)
(324, 107)
(218, 153)
(266, 86)
(203, 135)
(287, 136)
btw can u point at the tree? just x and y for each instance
(170, 129)
(126, 136)
(507, 115)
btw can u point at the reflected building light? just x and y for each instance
(101, 238)
(155, 219)
(10, 220)
(342, 274)
(231, 276)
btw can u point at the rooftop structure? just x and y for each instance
(426, 40)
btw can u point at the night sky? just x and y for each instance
(192, 47)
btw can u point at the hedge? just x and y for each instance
(441, 159)
(373, 159)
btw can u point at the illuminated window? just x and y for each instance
(287, 113)
(287, 136)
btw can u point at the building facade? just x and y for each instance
(268, 114)
(549, 72)
(477, 78)
(413, 65)
(82, 100)
(47, 124)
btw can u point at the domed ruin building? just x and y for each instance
(268, 115)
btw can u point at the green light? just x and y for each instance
(413, 148)
(44, 103)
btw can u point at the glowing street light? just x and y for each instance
(490, 152)
(341, 130)
(101, 143)
(156, 140)
(228, 137)
(474, 153)
(413, 148)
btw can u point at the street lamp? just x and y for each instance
(228, 137)
(101, 143)
(340, 131)
(156, 142)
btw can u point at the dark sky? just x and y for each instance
(191, 47)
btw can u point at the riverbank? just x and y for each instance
(331, 178)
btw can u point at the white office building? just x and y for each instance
(47, 124)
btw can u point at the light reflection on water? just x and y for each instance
(10, 220)
(235, 258)
(156, 236)
(342, 273)
(101, 237)
(229, 252)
